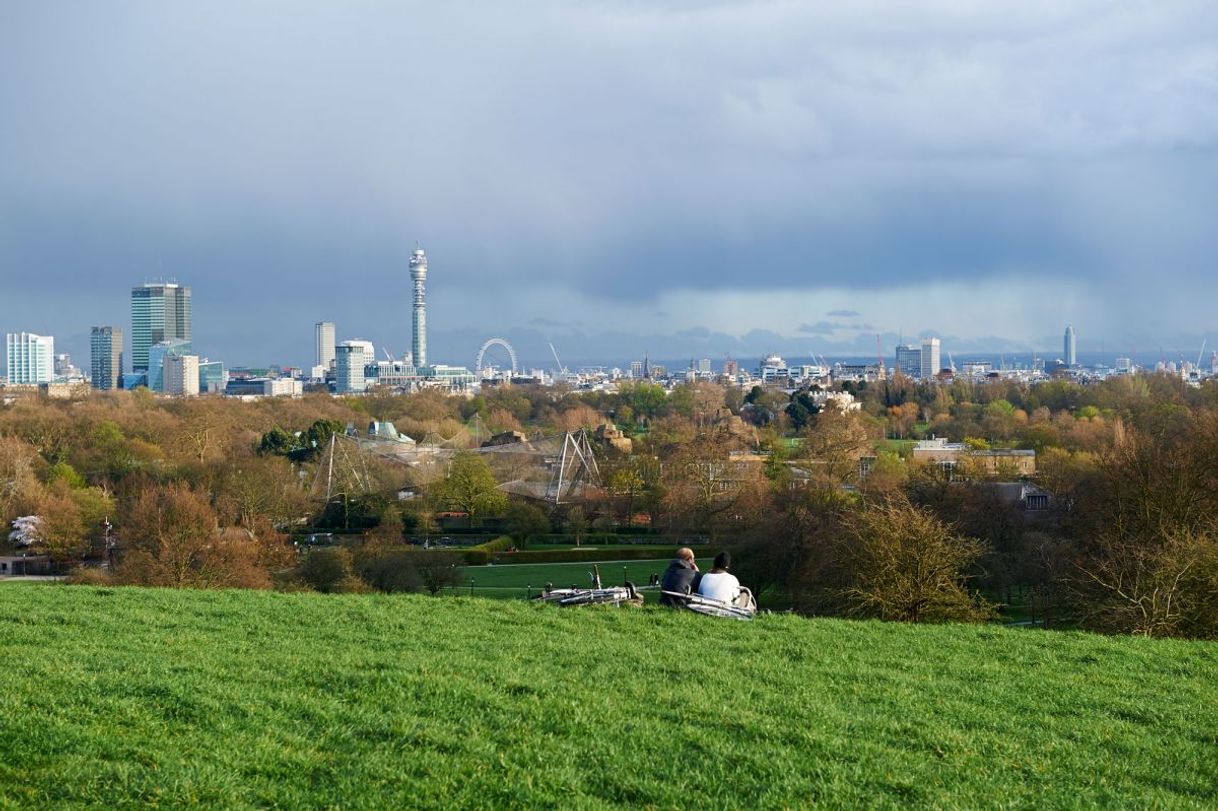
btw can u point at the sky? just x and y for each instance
(673, 177)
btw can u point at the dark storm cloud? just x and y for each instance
(282, 157)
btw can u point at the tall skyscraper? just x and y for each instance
(31, 358)
(159, 312)
(418, 335)
(107, 366)
(909, 360)
(1069, 353)
(349, 363)
(325, 343)
(930, 358)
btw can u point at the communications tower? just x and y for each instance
(418, 275)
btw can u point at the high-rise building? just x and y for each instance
(158, 354)
(349, 363)
(418, 335)
(730, 368)
(107, 354)
(636, 368)
(31, 358)
(159, 312)
(929, 361)
(909, 360)
(1069, 353)
(181, 375)
(324, 333)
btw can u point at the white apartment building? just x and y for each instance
(181, 375)
(31, 358)
(349, 363)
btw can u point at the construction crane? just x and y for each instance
(562, 370)
(879, 356)
(1202, 352)
(951, 362)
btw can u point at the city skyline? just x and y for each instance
(534, 348)
(744, 175)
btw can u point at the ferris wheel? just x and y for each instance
(497, 347)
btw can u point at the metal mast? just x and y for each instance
(418, 275)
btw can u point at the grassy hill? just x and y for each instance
(116, 697)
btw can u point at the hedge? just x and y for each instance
(484, 553)
(575, 555)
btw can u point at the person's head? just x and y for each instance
(723, 560)
(685, 553)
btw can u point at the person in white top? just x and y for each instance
(718, 584)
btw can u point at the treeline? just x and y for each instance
(1127, 543)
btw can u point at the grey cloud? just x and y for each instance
(843, 314)
(291, 152)
(830, 327)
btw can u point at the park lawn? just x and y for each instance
(662, 550)
(520, 576)
(124, 697)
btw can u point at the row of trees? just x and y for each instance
(1128, 545)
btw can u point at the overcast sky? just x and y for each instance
(676, 177)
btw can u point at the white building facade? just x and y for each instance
(349, 360)
(181, 374)
(31, 358)
(931, 362)
(324, 340)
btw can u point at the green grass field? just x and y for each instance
(127, 697)
(514, 580)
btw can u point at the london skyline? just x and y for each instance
(746, 177)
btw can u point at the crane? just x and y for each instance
(562, 370)
(879, 356)
(1202, 352)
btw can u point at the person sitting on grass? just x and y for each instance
(681, 575)
(718, 583)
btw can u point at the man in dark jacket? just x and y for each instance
(681, 576)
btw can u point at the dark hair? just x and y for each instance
(723, 560)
